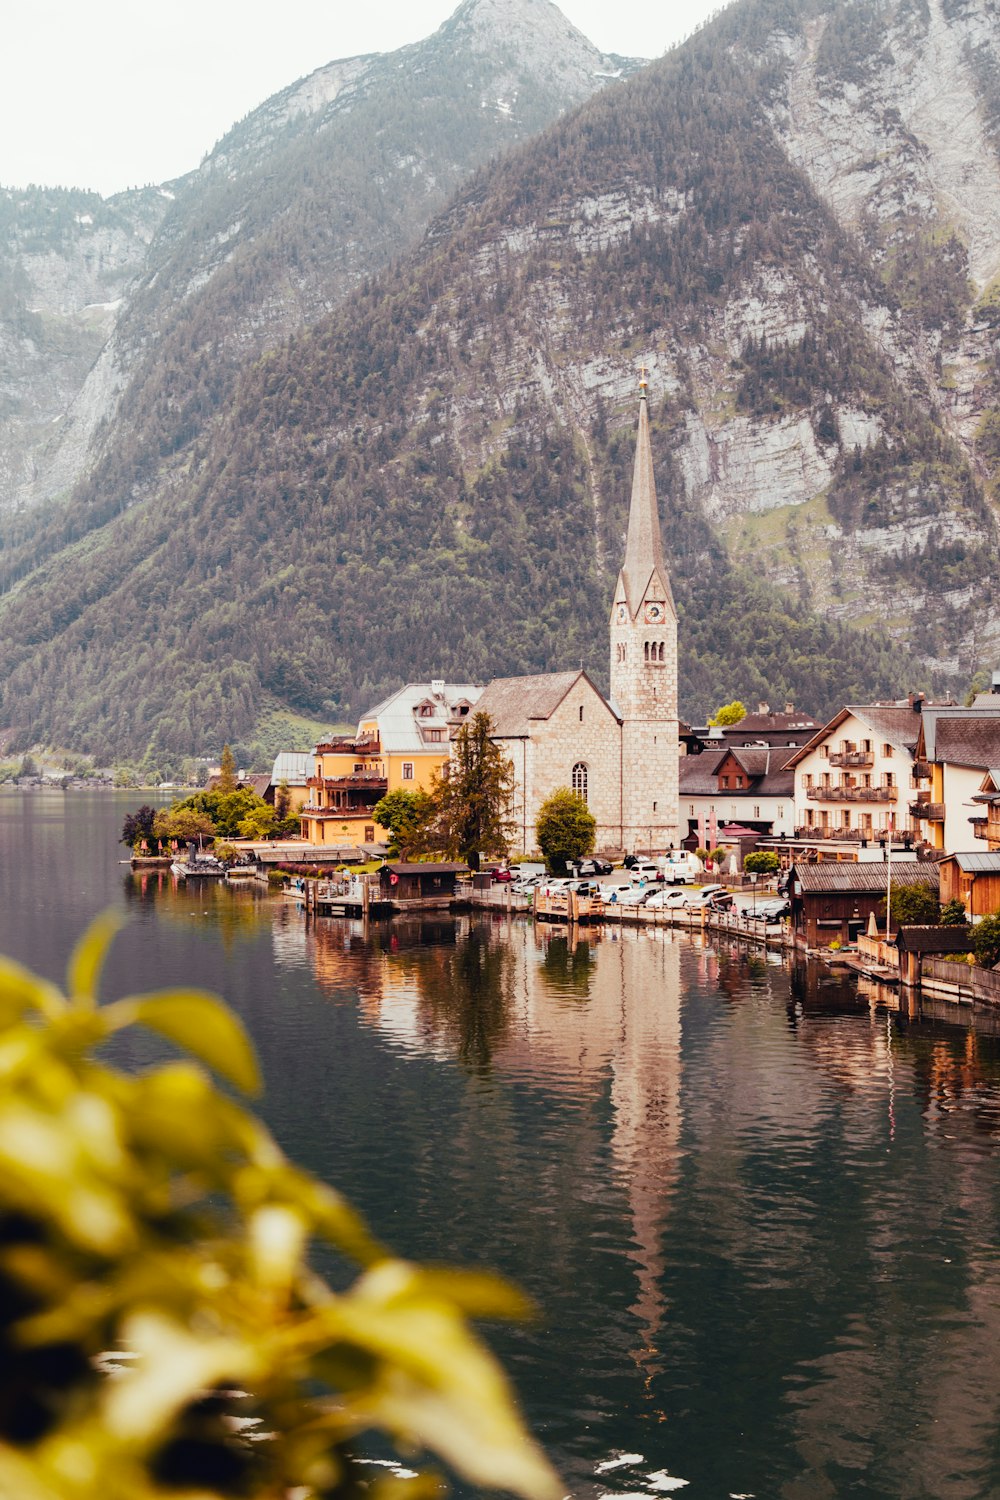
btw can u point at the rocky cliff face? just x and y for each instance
(67, 260)
(315, 190)
(787, 220)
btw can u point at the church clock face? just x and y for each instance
(653, 614)
(622, 614)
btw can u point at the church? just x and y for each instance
(620, 753)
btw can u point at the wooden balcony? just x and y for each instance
(368, 780)
(852, 793)
(927, 812)
(852, 758)
(922, 770)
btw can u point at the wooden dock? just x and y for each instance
(570, 907)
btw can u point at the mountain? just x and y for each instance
(787, 219)
(318, 188)
(66, 260)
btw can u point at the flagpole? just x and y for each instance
(888, 874)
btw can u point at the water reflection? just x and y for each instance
(589, 1016)
(760, 1206)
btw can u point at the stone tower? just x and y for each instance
(644, 666)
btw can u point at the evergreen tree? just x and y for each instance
(227, 770)
(472, 795)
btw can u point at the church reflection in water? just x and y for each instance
(594, 1016)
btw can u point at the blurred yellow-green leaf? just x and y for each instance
(87, 959)
(201, 1025)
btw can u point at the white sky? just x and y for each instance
(109, 94)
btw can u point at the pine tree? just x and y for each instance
(472, 795)
(227, 770)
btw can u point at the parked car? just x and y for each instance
(645, 871)
(636, 895)
(774, 908)
(593, 866)
(501, 874)
(666, 899)
(723, 901)
(699, 900)
(613, 893)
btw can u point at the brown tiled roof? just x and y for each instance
(764, 723)
(832, 875)
(968, 742)
(933, 939)
(448, 867)
(513, 702)
(698, 774)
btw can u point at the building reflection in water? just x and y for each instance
(588, 1015)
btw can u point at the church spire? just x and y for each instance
(644, 545)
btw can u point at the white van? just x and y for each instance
(680, 868)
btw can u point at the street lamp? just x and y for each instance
(753, 887)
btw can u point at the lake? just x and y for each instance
(759, 1212)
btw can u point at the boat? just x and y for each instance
(201, 867)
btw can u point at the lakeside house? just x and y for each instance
(833, 901)
(750, 786)
(955, 749)
(400, 745)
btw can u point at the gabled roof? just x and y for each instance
(764, 767)
(896, 724)
(976, 863)
(445, 867)
(644, 542)
(940, 939)
(698, 774)
(963, 737)
(399, 728)
(514, 703)
(834, 875)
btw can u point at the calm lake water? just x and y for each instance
(760, 1214)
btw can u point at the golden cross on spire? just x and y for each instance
(642, 380)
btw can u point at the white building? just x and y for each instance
(854, 780)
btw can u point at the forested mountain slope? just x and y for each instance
(434, 477)
(318, 188)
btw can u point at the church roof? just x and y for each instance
(644, 543)
(513, 702)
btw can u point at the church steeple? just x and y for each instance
(644, 564)
(644, 664)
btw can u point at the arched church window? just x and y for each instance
(580, 779)
(662, 647)
(645, 650)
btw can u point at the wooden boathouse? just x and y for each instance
(406, 886)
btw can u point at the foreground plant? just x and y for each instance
(152, 1216)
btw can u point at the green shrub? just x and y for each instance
(151, 1214)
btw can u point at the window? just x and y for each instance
(690, 809)
(580, 779)
(807, 781)
(435, 735)
(581, 713)
(724, 782)
(887, 752)
(824, 751)
(756, 812)
(407, 770)
(369, 833)
(866, 746)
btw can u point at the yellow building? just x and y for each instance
(413, 728)
(399, 746)
(349, 779)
